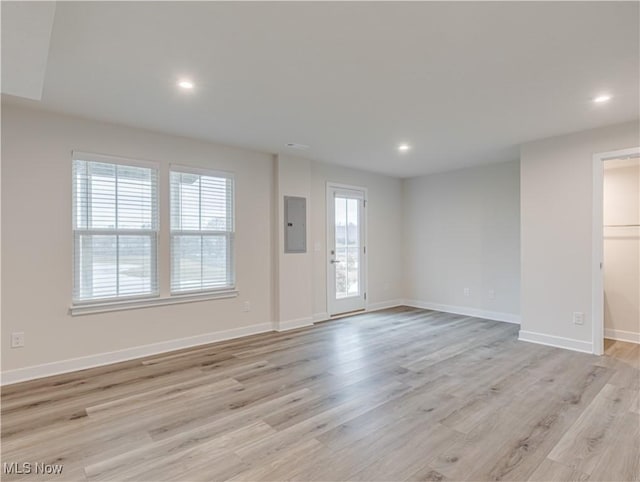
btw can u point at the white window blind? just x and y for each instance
(115, 226)
(202, 231)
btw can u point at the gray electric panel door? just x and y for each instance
(295, 224)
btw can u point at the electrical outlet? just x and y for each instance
(578, 318)
(17, 339)
(246, 306)
(467, 291)
(492, 294)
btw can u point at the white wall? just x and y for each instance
(303, 277)
(37, 243)
(384, 224)
(295, 283)
(556, 184)
(462, 231)
(622, 250)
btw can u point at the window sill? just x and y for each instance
(89, 309)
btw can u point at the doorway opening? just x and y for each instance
(347, 249)
(616, 248)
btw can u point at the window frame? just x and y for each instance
(163, 242)
(229, 234)
(154, 234)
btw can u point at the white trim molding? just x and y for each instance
(351, 303)
(383, 305)
(82, 363)
(465, 310)
(91, 361)
(597, 244)
(110, 159)
(622, 335)
(293, 324)
(92, 308)
(317, 317)
(556, 341)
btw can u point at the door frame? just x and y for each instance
(364, 263)
(597, 274)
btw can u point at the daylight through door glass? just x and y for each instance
(347, 242)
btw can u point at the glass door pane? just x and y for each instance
(347, 247)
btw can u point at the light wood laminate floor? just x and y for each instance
(399, 394)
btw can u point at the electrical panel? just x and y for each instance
(295, 224)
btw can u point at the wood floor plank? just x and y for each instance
(412, 454)
(345, 461)
(228, 420)
(319, 423)
(286, 465)
(398, 394)
(616, 464)
(586, 443)
(550, 470)
(176, 454)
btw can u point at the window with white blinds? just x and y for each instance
(115, 228)
(202, 230)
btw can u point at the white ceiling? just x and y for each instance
(26, 31)
(464, 83)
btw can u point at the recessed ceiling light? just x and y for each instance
(186, 84)
(404, 147)
(294, 145)
(602, 98)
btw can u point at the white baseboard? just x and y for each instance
(75, 364)
(383, 305)
(621, 335)
(556, 341)
(465, 310)
(294, 324)
(320, 317)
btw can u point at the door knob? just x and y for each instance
(334, 261)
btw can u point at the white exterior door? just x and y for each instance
(346, 257)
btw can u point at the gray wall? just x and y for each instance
(557, 241)
(462, 231)
(37, 241)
